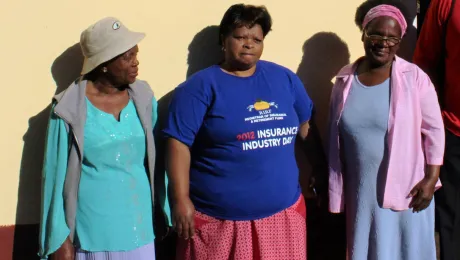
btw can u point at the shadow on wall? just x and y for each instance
(65, 69)
(203, 51)
(407, 48)
(324, 54)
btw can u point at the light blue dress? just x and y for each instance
(114, 193)
(375, 233)
(114, 217)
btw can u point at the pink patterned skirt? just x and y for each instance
(282, 236)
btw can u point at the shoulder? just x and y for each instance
(442, 7)
(272, 67)
(200, 81)
(410, 69)
(343, 79)
(346, 70)
(70, 90)
(142, 87)
(279, 73)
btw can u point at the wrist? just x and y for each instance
(178, 198)
(431, 178)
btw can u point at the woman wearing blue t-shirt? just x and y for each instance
(231, 132)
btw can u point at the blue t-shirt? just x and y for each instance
(241, 132)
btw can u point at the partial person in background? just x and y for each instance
(386, 144)
(438, 54)
(98, 188)
(231, 132)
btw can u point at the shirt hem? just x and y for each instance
(115, 250)
(249, 217)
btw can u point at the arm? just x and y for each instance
(429, 45)
(187, 110)
(163, 220)
(178, 168)
(432, 129)
(54, 231)
(335, 184)
(432, 124)
(308, 136)
(316, 156)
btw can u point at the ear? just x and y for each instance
(362, 37)
(222, 40)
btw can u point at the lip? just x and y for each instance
(133, 74)
(379, 52)
(247, 54)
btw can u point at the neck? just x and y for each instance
(236, 70)
(104, 86)
(376, 68)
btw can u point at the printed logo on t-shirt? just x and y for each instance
(263, 112)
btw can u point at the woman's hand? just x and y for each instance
(422, 194)
(318, 186)
(184, 218)
(65, 252)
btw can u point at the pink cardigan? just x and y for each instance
(415, 134)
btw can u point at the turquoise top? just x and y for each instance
(114, 211)
(114, 193)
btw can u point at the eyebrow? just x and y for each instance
(377, 32)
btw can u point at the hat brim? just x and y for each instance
(114, 49)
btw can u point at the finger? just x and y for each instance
(174, 223)
(420, 206)
(418, 201)
(426, 203)
(186, 230)
(413, 192)
(312, 182)
(179, 228)
(192, 227)
(412, 202)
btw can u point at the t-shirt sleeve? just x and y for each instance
(427, 54)
(187, 110)
(302, 102)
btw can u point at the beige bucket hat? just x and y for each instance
(105, 40)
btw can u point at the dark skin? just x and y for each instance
(374, 70)
(243, 49)
(108, 92)
(314, 151)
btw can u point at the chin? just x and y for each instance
(245, 64)
(131, 80)
(379, 60)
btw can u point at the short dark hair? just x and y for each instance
(244, 15)
(365, 7)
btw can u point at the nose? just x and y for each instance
(248, 44)
(385, 43)
(135, 62)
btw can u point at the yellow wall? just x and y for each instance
(36, 35)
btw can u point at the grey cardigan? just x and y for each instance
(70, 106)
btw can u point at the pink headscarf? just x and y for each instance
(386, 10)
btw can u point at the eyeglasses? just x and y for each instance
(377, 39)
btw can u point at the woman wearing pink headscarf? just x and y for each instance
(386, 144)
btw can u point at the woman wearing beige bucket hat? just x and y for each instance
(98, 176)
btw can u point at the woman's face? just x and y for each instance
(244, 46)
(124, 69)
(382, 39)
